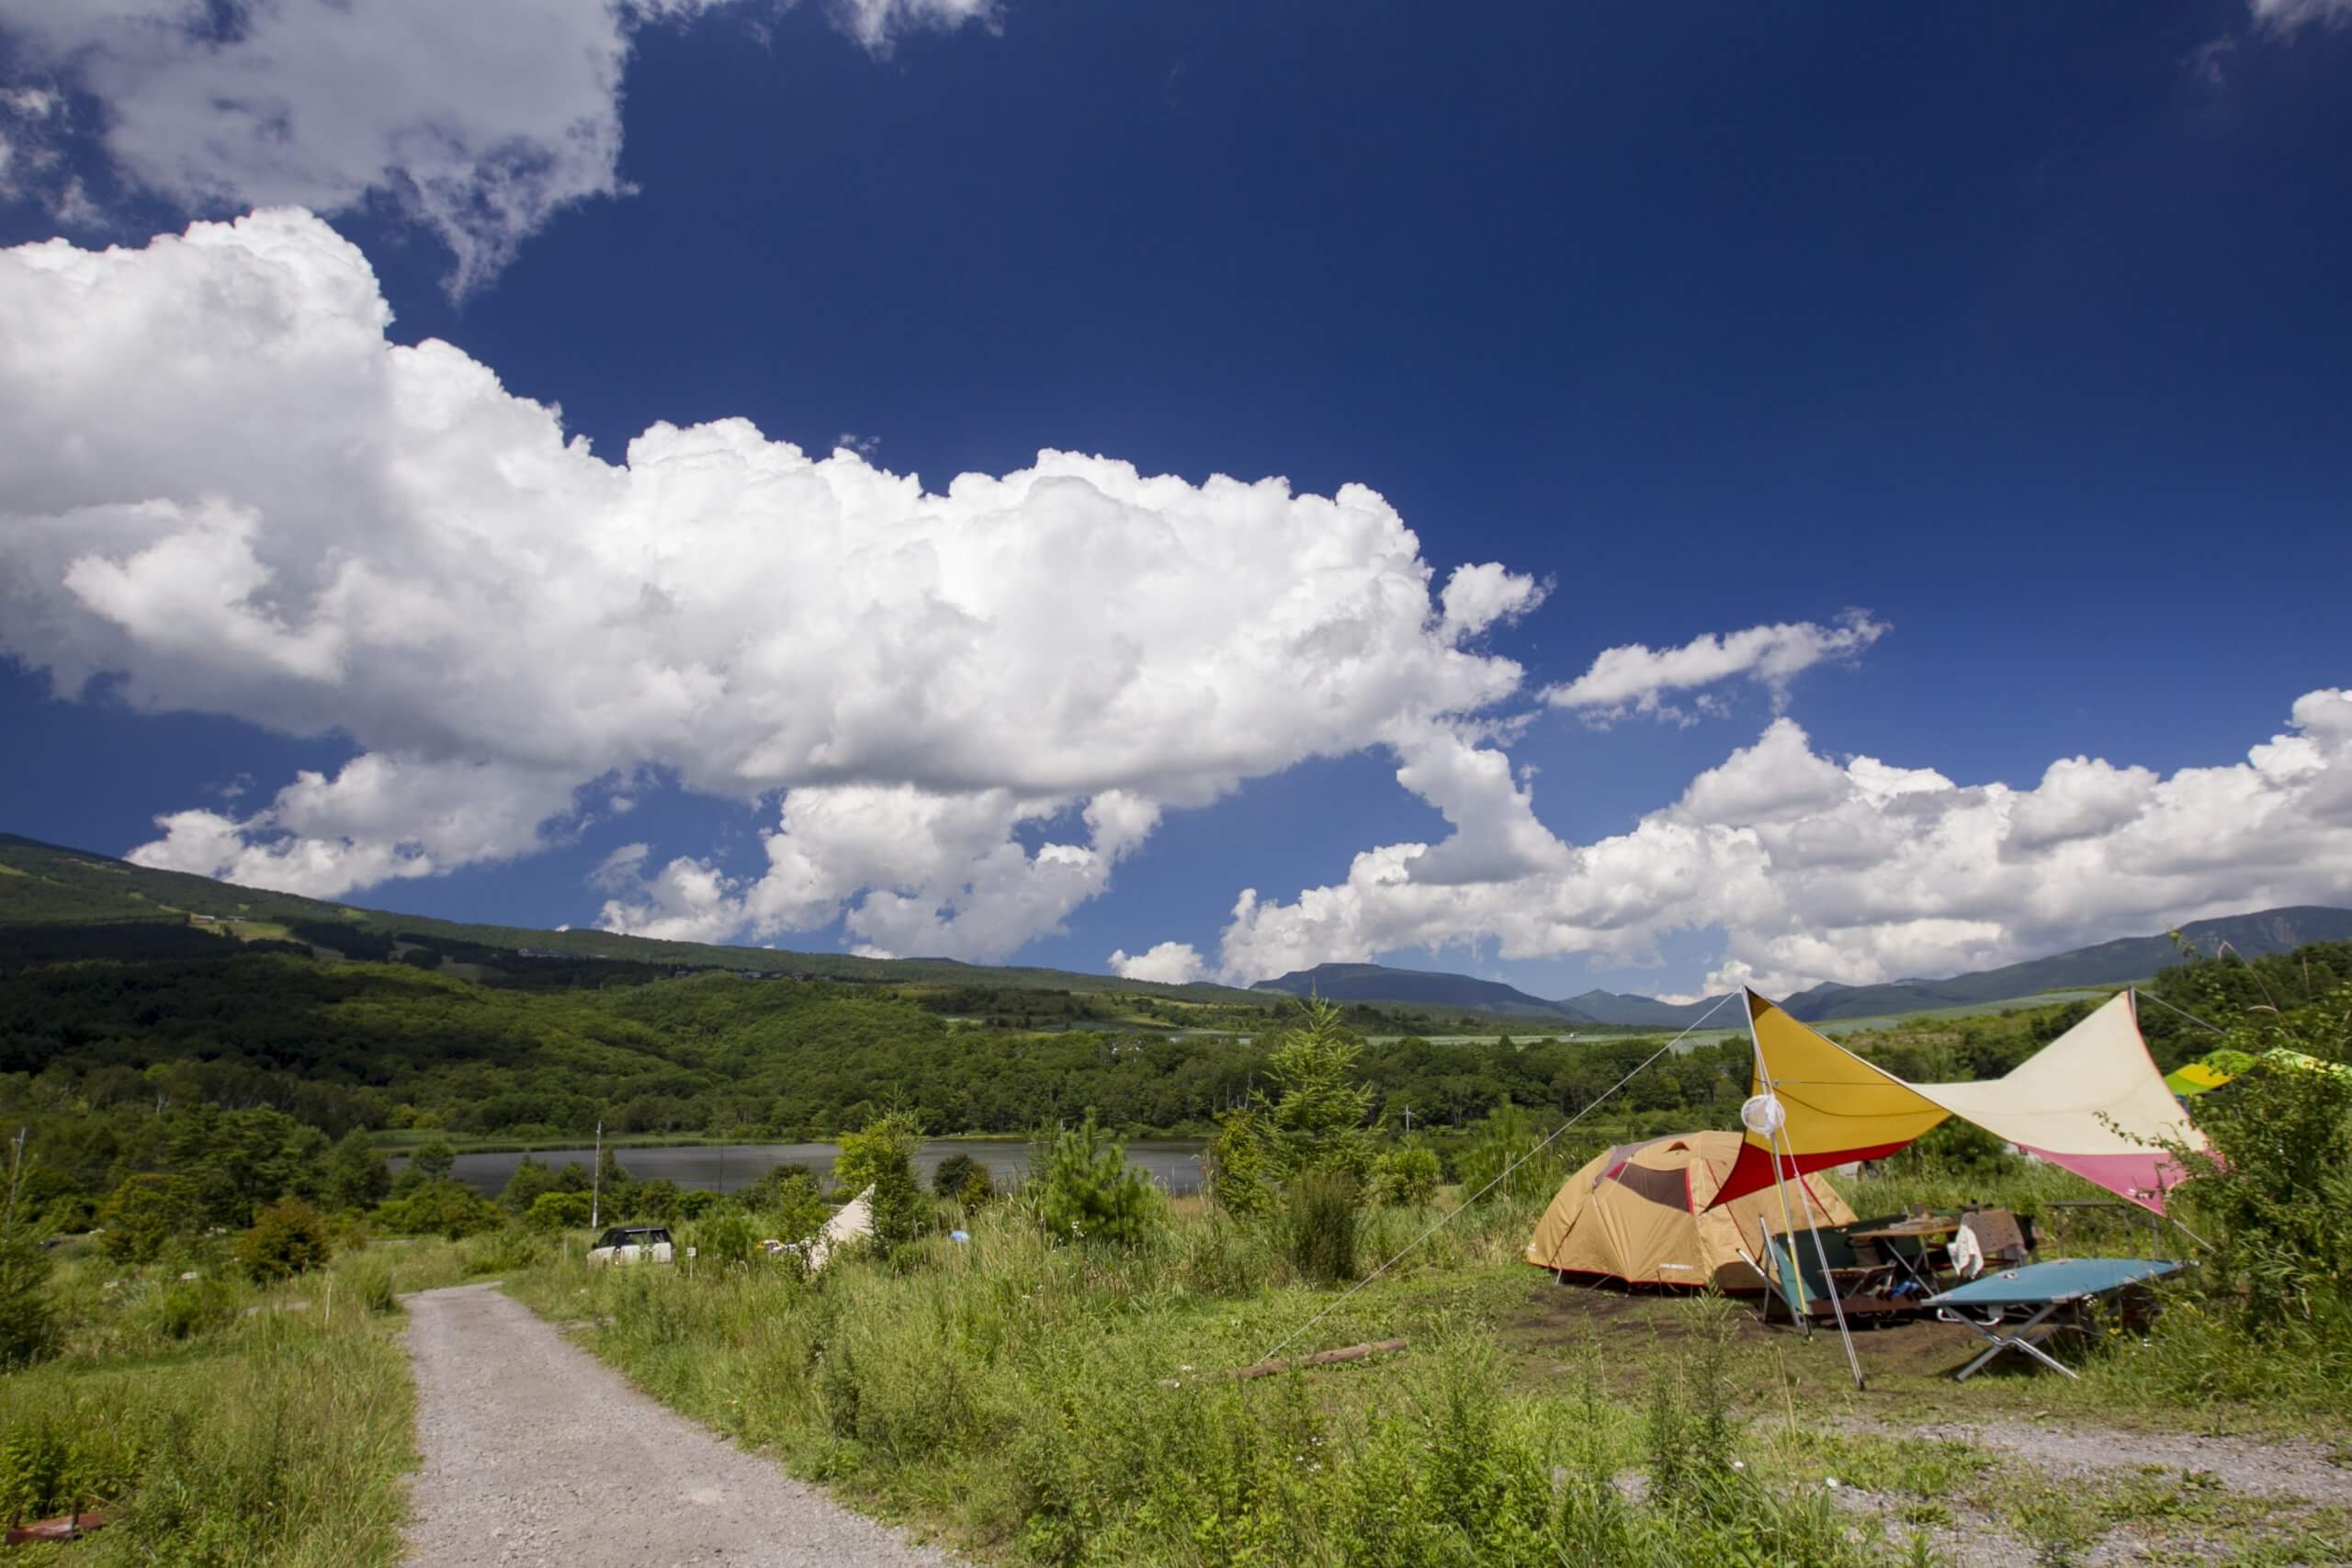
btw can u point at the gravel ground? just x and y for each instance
(536, 1452)
(2260, 1468)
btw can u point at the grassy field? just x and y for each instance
(217, 1422)
(1038, 1403)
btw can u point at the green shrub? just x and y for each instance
(723, 1237)
(881, 1154)
(286, 1238)
(1405, 1176)
(1322, 1221)
(1236, 1159)
(531, 1178)
(146, 1214)
(793, 1209)
(1086, 1191)
(552, 1212)
(448, 1209)
(949, 1178)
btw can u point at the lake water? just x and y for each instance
(1173, 1164)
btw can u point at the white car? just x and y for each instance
(633, 1243)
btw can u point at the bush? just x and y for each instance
(2274, 1193)
(146, 1214)
(948, 1181)
(552, 1212)
(448, 1209)
(531, 1178)
(1321, 1224)
(287, 1239)
(1088, 1191)
(978, 1188)
(881, 1154)
(792, 1210)
(1236, 1159)
(722, 1238)
(1405, 1176)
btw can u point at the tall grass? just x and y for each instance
(217, 1422)
(1064, 1405)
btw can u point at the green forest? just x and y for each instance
(250, 1064)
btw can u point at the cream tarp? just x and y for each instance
(852, 1222)
(1640, 1213)
(2091, 1101)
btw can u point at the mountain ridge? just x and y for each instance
(2113, 963)
(53, 885)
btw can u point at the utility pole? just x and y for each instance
(596, 1181)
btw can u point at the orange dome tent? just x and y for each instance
(1639, 1213)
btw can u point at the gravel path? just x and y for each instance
(2262, 1467)
(536, 1452)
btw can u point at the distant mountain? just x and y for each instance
(2107, 964)
(1373, 981)
(53, 888)
(1642, 1012)
(56, 888)
(2115, 963)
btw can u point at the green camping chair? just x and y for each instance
(1860, 1288)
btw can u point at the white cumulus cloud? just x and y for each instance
(1638, 679)
(1862, 871)
(479, 119)
(228, 487)
(1170, 962)
(379, 818)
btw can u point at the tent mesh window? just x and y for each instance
(1671, 1188)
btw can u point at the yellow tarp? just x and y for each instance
(1838, 1107)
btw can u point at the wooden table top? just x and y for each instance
(1911, 1230)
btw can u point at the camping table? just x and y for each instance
(1907, 1230)
(2049, 1288)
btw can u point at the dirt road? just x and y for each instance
(534, 1452)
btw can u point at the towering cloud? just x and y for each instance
(227, 485)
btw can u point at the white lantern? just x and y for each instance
(1762, 1115)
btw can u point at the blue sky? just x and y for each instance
(1985, 368)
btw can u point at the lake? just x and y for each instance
(1173, 1164)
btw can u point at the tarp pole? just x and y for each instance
(1794, 1286)
(1777, 1142)
(1835, 1306)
